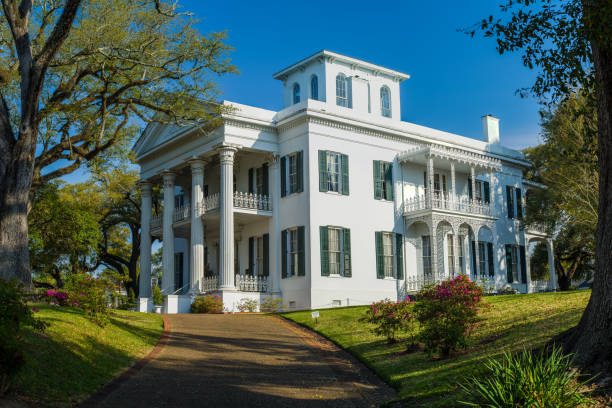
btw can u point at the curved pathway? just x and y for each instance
(246, 361)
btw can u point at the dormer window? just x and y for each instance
(385, 102)
(314, 88)
(296, 93)
(342, 92)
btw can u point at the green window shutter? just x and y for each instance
(389, 181)
(487, 192)
(523, 264)
(266, 254)
(265, 186)
(509, 202)
(470, 192)
(519, 204)
(491, 261)
(322, 171)
(283, 176)
(399, 255)
(509, 263)
(284, 253)
(377, 181)
(300, 171)
(324, 251)
(380, 269)
(301, 251)
(251, 255)
(251, 181)
(346, 239)
(474, 264)
(345, 174)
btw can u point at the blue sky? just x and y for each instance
(454, 79)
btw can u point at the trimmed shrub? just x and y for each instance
(158, 299)
(248, 305)
(207, 304)
(14, 316)
(448, 313)
(390, 317)
(271, 305)
(526, 380)
(89, 294)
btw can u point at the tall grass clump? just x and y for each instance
(527, 380)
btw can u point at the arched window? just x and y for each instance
(342, 91)
(296, 93)
(385, 102)
(314, 88)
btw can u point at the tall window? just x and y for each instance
(259, 180)
(515, 269)
(334, 250)
(514, 202)
(478, 190)
(482, 259)
(342, 91)
(385, 102)
(426, 255)
(292, 173)
(296, 93)
(383, 180)
(451, 254)
(333, 172)
(293, 252)
(292, 178)
(460, 250)
(314, 88)
(260, 256)
(388, 254)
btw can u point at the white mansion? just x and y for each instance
(331, 201)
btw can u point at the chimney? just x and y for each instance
(490, 129)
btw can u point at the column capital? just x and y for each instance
(168, 177)
(226, 154)
(197, 164)
(145, 187)
(273, 159)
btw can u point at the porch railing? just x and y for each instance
(540, 286)
(445, 202)
(248, 283)
(181, 213)
(209, 284)
(156, 222)
(252, 201)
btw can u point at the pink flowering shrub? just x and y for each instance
(448, 313)
(57, 297)
(89, 294)
(390, 317)
(207, 304)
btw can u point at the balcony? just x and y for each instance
(243, 283)
(444, 202)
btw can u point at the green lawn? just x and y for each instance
(78, 357)
(513, 322)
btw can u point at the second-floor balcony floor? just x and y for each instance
(445, 202)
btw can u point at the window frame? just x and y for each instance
(342, 86)
(450, 249)
(516, 273)
(259, 255)
(388, 258)
(427, 261)
(296, 93)
(339, 253)
(337, 172)
(292, 252)
(314, 87)
(385, 111)
(461, 239)
(483, 259)
(292, 173)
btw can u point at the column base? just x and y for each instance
(145, 305)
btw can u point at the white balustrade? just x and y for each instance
(210, 203)
(416, 283)
(248, 283)
(181, 213)
(156, 222)
(444, 202)
(252, 201)
(209, 284)
(540, 286)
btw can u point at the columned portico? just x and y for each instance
(226, 223)
(144, 284)
(168, 234)
(197, 231)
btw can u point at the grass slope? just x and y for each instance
(513, 322)
(78, 357)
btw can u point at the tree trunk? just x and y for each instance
(591, 339)
(564, 282)
(14, 196)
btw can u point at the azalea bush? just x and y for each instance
(447, 313)
(248, 305)
(390, 317)
(271, 305)
(207, 304)
(56, 297)
(15, 316)
(90, 294)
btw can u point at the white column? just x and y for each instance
(477, 271)
(275, 235)
(226, 226)
(430, 180)
(168, 235)
(551, 265)
(473, 176)
(434, 251)
(453, 188)
(144, 279)
(197, 229)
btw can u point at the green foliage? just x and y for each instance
(448, 313)
(15, 315)
(91, 295)
(158, 299)
(207, 304)
(527, 380)
(390, 317)
(271, 305)
(248, 304)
